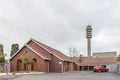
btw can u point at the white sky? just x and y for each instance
(61, 23)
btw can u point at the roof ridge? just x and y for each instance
(50, 47)
(47, 48)
(46, 45)
(39, 44)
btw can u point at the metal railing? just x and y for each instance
(114, 67)
(4, 67)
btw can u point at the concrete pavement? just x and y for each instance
(4, 76)
(80, 75)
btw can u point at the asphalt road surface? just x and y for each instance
(81, 75)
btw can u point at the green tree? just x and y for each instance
(14, 49)
(2, 57)
(118, 58)
(80, 58)
(27, 60)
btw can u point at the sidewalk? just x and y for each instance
(11, 76)
(21, 73)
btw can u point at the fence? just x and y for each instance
(4, 67)
(114, 67)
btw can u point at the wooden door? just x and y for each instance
(19, 65)
(34, 66)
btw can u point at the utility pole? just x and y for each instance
(88, 37)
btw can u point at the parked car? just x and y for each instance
(100, 69)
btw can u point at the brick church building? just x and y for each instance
(45, 58)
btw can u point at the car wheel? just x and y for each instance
(94, 71)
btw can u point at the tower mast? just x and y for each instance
(88, 37)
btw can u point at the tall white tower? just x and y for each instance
(88, 37)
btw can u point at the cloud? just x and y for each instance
(61, 23)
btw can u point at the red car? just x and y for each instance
(100, 69)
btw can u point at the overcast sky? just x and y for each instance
(61, 23)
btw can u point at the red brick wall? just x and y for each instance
(71, 66)
(40, 62)
(65, 66)
(68, 66)
(54, 64)
(42, 66)
(76, 67)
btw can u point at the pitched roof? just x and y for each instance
(42, 56)
(31, 50)
(86, 61)
(50, 50)
(53, 51)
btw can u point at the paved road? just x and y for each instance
(83, 75)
